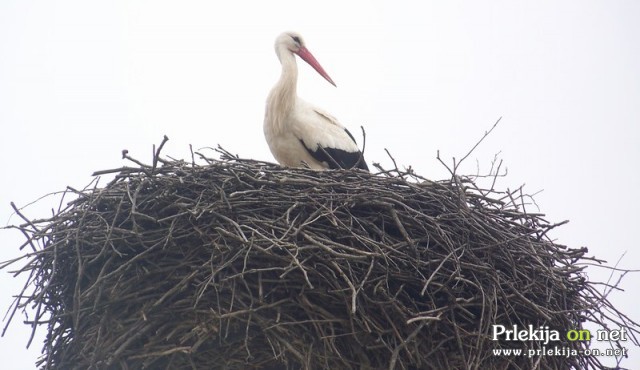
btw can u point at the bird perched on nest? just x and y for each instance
(298, 132)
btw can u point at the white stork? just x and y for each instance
(296, 131)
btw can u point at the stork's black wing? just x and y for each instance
(338, 158)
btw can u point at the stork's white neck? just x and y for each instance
(283, 96)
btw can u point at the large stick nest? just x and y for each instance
(243, 264)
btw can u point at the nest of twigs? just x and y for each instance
(238, 264)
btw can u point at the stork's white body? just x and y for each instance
(306, 127)
(297, 132)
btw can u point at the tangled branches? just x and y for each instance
(244, 264)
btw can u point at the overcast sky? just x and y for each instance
(82, 80)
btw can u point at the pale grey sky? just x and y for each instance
(82, 80)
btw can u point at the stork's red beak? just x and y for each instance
(306, 55)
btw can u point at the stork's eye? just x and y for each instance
(296, 39)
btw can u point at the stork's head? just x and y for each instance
(294, 43)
